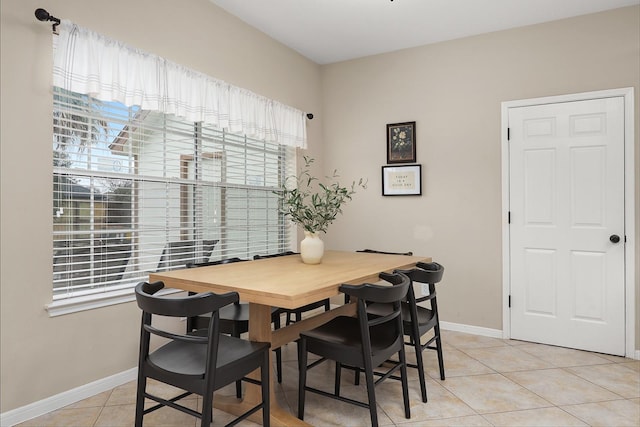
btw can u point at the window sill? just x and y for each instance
(90, 302)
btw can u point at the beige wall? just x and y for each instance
(42, 356)
(452, 90)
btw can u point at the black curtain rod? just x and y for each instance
(44, 16)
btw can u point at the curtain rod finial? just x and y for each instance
(309, 116)
(44, 16)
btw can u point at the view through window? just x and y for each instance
(139, 191)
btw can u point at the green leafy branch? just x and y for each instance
(312, 204)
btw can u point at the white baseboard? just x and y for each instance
(469, 329)
(36, 409)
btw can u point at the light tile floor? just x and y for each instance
(490, 382)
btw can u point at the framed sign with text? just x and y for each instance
(402, 180)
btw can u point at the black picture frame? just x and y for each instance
(403, 180)
(401, 142)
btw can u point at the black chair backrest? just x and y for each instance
(218, 262)
(192, 305)
(389, 324)
(177, 254)
(425, 272)
(428, 272)
(373, 251)
(380, 293)
(274, 255)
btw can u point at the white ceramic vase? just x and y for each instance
(311, 248)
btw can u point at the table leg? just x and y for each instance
(259, 330)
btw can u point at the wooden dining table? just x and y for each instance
(284, 282)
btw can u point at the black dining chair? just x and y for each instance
(234, 319)
(419, 320)
(197, 363)
(364, 342)
(297, 312)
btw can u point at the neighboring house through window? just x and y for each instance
(139, 191)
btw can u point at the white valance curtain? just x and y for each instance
(89, 63)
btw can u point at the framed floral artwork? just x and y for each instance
(401, 142)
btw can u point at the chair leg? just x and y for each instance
(236, 333)
(266, 396)
(336, 385)
(302, 375)
(371, 394)
(190, 324)
(420, 363)
(239, 389)
(207, 409)
(191, 321)
(142, 385)
(278, 352)
(405, 386)
(439, 350)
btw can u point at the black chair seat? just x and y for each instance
(340, 339)
(426, 317)
(235, 356)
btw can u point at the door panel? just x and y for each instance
(540, 187)
(566, 198)
(540, 277)
(588, 286)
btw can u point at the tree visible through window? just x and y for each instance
(138, 191)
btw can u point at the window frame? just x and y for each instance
(123, 292)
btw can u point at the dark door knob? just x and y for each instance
(614, 238)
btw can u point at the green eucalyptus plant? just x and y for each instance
(312, 204)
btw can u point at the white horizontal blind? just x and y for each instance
(137, 191)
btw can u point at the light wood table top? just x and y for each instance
(284, 282)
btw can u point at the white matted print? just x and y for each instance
(402, 180)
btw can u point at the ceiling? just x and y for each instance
(327, 31)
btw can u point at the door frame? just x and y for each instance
(629, 205)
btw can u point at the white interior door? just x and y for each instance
(566, 204)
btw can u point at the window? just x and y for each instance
(138, 191)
